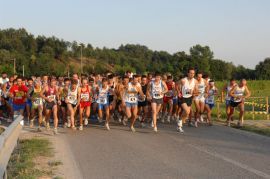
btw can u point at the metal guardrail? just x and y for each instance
(8, 141)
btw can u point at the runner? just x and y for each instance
(119, 112)
(30, 85)
(187, 89)
(50, 94)
(239, 93)
(123, 105)
(18, 95)
(168, 100)
(85, 104)
(33, 94)
(73, 101)
(111, 95)
(63, 92)
(130, 97)
(212, 91)
(155, 93)
(142, 102)
(226, 90)
(200, 99)
(103, 102)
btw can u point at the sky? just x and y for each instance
(237, 31)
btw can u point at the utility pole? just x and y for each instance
(23, 70)
(81, 60)
(14, 66)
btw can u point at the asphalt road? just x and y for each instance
(204, 152)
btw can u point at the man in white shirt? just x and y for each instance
(4, 79)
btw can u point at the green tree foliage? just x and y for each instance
(263, 70)
(50, 55)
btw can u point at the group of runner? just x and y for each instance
(147, 98)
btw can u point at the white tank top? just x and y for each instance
(103, 95)
(211, 96)
(239, 92)
(228, 89)
(131, 94)
(156, 90)
(188, 87)
(201, 87)
(72, 96)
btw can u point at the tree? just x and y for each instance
(262, 70)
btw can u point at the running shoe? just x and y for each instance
(85, 121)
(48, 126)
(169, 119)
(31, 123)
(107, 126)
(55, 131)
(132, 129)
(81, 128)
(196, 124)
(201, 118)
(155, 129)
(68, 123)
(179, 129)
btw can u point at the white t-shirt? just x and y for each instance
(3, 81)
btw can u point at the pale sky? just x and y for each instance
(236, 30)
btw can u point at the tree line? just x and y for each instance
(51, 55)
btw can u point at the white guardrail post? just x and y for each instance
(8, 141)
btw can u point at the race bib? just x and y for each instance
(132, 99)
(71, 98)
(51, 97)
(37, 101)
(102, 100)
(85, 97)
(169, 93)
(210, 100)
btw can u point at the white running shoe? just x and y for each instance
(85, 121)
(107, 126)
(155, 129)
(55, 131)
(152, 123)
(81, 128)
(196, 124)
(124, 122)
(65, 125)
(179, 129)
(132, 129)
(169, 119)
(68, 123)
(140, 118)
(179, 123)
(48, 126)
(162, 120)
(201, 118)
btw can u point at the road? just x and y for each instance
(204, 152)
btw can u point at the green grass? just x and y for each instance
(255, 129)
(21, 163)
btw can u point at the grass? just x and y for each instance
(21, 163)
(255, 129)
